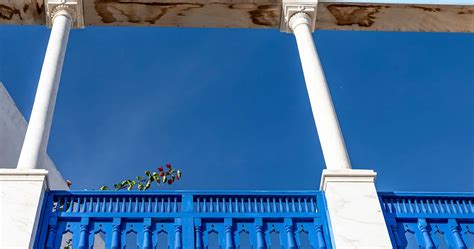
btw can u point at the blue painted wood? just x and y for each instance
(260, 234)
(147, 234)
(83, 235)
(199, 242)
(426, 238)
(321, 243)
(116, 234)
(177, 239)
(290, 238)
(187, 217)
(455, 233)
(229, 236)
(52, 230)
(434, 218)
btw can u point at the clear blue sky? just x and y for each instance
(230, 108)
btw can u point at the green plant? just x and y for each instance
(160, 176)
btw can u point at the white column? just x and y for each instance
(37, 134)
(327, 125)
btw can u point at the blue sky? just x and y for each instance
(229, 106)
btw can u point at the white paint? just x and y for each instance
(21, 196)
(12, 132)
(37, 135)
(327, 125)
(292, 7)
(355, 214)
(73, 8)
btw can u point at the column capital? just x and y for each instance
(70, 8)
(306, 10)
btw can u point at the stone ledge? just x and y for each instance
(346, 175)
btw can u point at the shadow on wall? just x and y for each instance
(12, 132)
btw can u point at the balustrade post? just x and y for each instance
(116, 232)
(147, 241)
(454, 228)
(290, 237)
(177, 234)
(198, 229)
(396, 238)
(229, 234)
(52, 230)
(187, 229)
(84, 234)
(260, 234)
(423, 227)
(320, 236)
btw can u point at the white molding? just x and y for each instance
(24, 175)
(346, 175)
(292, 7)
(73, 9)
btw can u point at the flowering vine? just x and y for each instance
(160, 176)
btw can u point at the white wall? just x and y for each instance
(12, 132)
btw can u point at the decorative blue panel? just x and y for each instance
(428, 220)
(186, 219)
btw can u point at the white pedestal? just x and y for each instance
(21, 198)
(356, 218)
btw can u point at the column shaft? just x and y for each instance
(327, 125)
(37, 134)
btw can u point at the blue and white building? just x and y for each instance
(38, 211)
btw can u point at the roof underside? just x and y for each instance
(332, 14)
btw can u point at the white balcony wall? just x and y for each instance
(12, 132)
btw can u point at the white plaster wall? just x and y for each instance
(12, 132)
(21, 195)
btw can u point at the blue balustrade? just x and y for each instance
(183, 219)
(429, 220)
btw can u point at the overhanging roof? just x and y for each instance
(382, 15)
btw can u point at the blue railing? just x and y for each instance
(183, 219)
(429, 220)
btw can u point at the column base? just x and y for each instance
(21, 198)
(354, 210)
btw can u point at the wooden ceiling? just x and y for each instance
(332, 14)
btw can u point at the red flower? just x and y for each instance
(162, 174)
(168, 165)
(177, 177)
(170, 181)
(160, 169)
